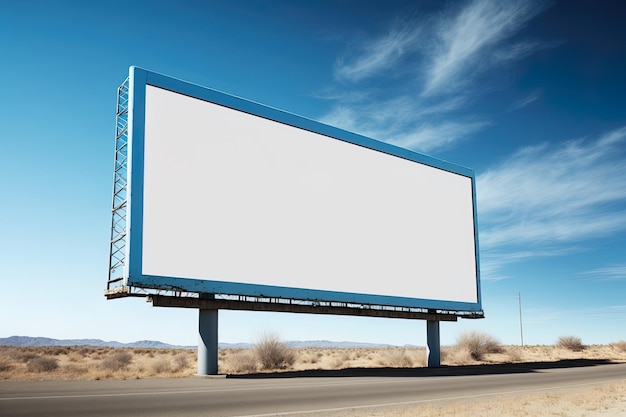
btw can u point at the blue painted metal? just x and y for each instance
(476, 249)
(237, 103)
(270, 291)
(136, 135)
(139, 78)
(119, 214)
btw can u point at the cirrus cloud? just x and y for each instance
(545, 199)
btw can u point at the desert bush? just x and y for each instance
(478, 344)
(42, 364)
(242, 362)
(24, 356)
(515, 355)
(573, 343)
(5, 365)
(337, 363)
(180, 361)
(75, 357)
(56, 350)
(75, 370)
(396, 358)
(85, 351)
(456, 356)
(161, 365)
(273, 353)
(117, 361)
(621, 345)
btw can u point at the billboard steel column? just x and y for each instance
(433, 344)
(119, 215)
(207, 342)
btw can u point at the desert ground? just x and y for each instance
(601, 400)
(91, 363)
(273, 355)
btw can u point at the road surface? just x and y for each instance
(293, 393)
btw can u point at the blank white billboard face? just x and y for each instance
(233, 197)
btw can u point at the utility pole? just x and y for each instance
(521, 328)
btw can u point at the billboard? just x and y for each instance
(229, 196)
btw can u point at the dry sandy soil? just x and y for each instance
(81, 363)
(601, 400)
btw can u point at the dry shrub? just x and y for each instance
(75, 357)
(85, 351)
(75, 370)
(621, 345)
(515, 355)
(456, 356)
(24, 356)
(5, 365)
(116, 361)
(42, 364)
(180, 361)
(396, 358)
(56, 350)
(243, 362)
(337, 363)
(161, 365)
(478, 344)
(573, 343)
(273, 353)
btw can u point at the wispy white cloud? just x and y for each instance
(428, 138)
(345, 96)
(546, 315)
(547, 194)
(448, 48)
(474, 36)
(520, 50)
(609, 273)
(400, 121)
(391, 115)
(379, 54)
(520, 104)
(494, 261)
(435, 58)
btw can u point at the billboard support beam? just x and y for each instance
(223, 304)
(433, 344)
(207, 340)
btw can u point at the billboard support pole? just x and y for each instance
(207, 340)
(433, 344)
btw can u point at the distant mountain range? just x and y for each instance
(44, 341)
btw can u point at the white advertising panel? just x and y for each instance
(229, 196)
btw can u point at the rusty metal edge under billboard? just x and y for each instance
(125, 268)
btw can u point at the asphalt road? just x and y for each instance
(293, 393)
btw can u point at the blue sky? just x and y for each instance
(531, 95)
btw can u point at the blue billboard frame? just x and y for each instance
(138, 79)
